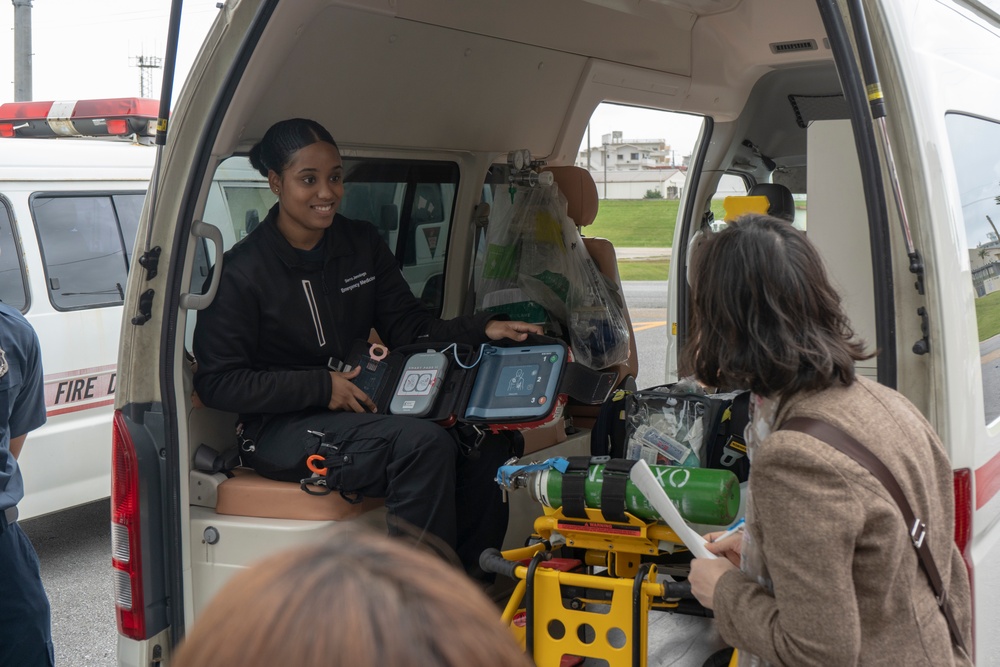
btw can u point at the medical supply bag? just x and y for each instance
(676, 424)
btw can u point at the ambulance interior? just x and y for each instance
(458, 86)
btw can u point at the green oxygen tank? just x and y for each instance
(701, 495)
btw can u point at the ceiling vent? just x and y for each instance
(799, 45)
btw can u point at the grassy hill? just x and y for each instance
(640, 223)
(636, 223)
(988, 315)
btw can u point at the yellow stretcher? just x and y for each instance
(597, 607)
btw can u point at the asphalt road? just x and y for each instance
(74, 546)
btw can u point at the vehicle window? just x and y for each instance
(639, 159)
(83, 249)
(977, 167)
(248, 205)
(128, 208)
(13, 290)
(411, 204)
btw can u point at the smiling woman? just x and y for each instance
(293, 296)
(303, 168)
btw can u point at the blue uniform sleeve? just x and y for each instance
(28, 411)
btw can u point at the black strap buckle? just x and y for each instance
(616, 475)
(574, 487)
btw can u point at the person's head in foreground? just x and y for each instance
(359, 599)
(764, 314)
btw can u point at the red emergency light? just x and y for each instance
(116, 117)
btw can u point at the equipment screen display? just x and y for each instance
(517, 381)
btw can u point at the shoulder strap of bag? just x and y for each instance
(844, 443)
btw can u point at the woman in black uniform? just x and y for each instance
(292, 298)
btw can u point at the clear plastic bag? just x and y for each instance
(667, 428)
(535, 259)
(498, 265)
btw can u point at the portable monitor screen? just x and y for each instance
(516, 382)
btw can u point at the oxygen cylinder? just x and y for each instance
(701, 495)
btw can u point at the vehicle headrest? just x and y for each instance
(780, 198)
(578, 186)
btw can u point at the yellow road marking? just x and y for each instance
(992, 356)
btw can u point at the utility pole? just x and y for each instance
(146, 65)
(22, 50)
(605, 161)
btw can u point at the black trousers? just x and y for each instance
(25, 629)
(430, 484)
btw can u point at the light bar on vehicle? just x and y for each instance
(116, 117)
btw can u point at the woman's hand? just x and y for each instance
(497, 329)
(348, 396)
(705, 574)
(730, 547)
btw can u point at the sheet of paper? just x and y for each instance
(644, 480)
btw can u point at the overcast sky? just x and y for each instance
(85, 49)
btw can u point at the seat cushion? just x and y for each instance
(249, 494)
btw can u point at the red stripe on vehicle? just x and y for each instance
(987, 481)
(77, 408)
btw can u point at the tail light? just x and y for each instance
(963, 527)
(126, 553)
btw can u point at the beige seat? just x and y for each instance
(577, 185)
(249, 494)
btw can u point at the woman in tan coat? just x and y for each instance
(825, 573)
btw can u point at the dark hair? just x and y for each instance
(360, 599)
(764, 314)
(283, 139)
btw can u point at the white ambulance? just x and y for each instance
(73, 179)
(440, 91)
(69, 212)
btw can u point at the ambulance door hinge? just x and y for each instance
(922, 346)
(917, 269)
(145, 308)
(150, 261)
(157, 658)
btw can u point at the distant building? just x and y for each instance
(629, 154)
(633, 167)
(635, 184)
(985, 264)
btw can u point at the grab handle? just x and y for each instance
(203, 230)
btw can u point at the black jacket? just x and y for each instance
(265, 342)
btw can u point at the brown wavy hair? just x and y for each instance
(360, 599)
(764, 314)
